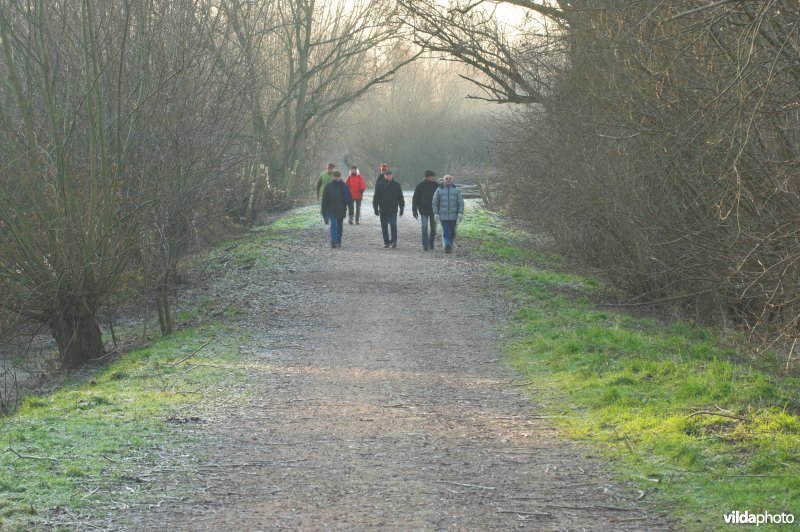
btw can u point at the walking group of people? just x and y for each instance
(431, 202)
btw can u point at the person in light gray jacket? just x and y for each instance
(448, 206)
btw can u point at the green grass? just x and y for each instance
(88, 445)
(304, 218)
(700, 429)
(498, 240)
(262, 248)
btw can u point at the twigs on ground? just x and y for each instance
(28, 456)
(190, 355)
(476, 486)
(525, 513)
(592, 508)
(720, 414)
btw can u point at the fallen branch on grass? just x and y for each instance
(28, 456)
(720, 414)
(190, 355)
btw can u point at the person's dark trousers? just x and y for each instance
(337, 228)
(357, 210)
(428, 230)
(448, 233)
(389, 223)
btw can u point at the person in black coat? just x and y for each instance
(388, 203)
(421, 205)
(335, 200)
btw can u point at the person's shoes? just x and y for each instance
(394, 244)
(350, 221)
(386, 246)
(357, 222)
(424, 248)
(333, 244)
(448, 249)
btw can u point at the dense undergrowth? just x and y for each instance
(695, 423)
(100, 441)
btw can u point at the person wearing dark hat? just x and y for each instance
(422, 206)
(335, 199)
(448, 205)
(387, 201)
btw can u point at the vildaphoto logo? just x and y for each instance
(764, 518)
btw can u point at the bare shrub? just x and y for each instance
(659, 141)
(668, 155)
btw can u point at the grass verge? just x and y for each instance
(693, 422)
(97, 443)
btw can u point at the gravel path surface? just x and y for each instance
(381, 401)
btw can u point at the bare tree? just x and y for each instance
(331, 55)
(507, 69)
(65, 123)
(113, 113)
(190, 138)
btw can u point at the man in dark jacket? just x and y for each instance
(387, 200)
(421, 205)
(335, 199)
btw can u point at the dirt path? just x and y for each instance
(381, 401)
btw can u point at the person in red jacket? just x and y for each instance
(357, 187)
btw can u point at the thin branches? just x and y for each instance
(668, 154)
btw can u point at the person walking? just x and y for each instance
(323, 180)
(448, 206)
(388, 201)
(335, 199)
(422, 207)
(357, 187)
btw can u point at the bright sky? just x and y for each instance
(509, 14)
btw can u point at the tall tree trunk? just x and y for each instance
(165, 320)
(77, 334)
